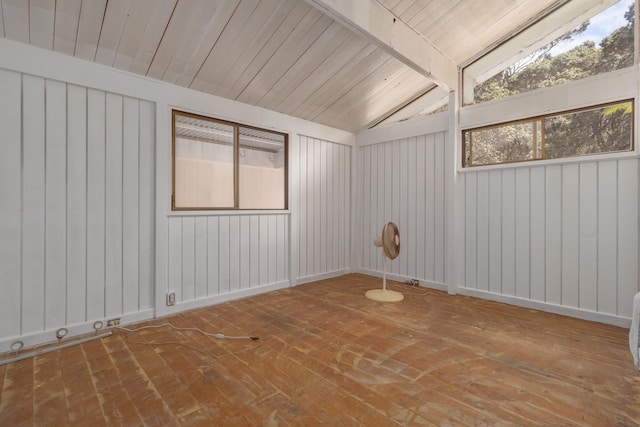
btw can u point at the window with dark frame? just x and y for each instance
(217, 164)
(599, 129)
(575, 41)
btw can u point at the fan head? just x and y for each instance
(389, 240)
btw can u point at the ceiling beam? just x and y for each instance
(374, 21)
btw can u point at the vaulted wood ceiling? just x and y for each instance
(283, 55)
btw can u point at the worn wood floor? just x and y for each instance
(328, 356)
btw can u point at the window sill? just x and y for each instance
(230, 212)
(551, 162)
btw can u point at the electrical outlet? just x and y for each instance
(113, 322)
(171, 298)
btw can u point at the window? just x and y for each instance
(600, 129)
(224, 165)
(578, 40)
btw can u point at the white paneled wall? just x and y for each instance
(216, 255)
(320, 175)
(565, 235)
(404, 181)
(76, 218)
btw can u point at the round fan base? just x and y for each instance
(384, 295)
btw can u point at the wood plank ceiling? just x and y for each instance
(283, 55)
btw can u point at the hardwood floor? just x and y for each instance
(329, 356)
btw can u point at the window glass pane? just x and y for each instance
(262, 169)
(203, 175)
(580, 39)
(600, 130)
(503, 144)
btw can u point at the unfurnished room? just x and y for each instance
(319, 212)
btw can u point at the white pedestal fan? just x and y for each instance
(389, 241)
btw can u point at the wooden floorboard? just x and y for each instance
(329, 356)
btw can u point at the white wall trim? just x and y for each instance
(601, 89)
(220, 298)
(549, 308)
(548, 162)
(76, 330)
(424, 125)
(53, 65)
(323, 276)
(439, 286)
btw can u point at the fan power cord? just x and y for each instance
(209, 334)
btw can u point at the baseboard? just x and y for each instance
(578, 313)
(218, 299)
(404, 279)
(75, 330)
(323, 276)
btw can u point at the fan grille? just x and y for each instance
(390, 240)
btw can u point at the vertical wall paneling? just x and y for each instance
(404, 183)
(188, 266)
(553, 240)
(627, 235)
(282, 231)
(422, 225)
(345, 213)
(300, 196)
(33, 203)
(522, 230)
(264, 248)
(412, 174)
(201, 255)
(245, 252)
(55, 205)
(607, 236)
(77, 204)
(10, 194)
(234, 253)
(561, 234)
(113, 256)
(439, 207)
(482, 231)
(130, 205)
(396, 206)
(272, 234)
(508, 231)
(175, 257)
(323, 235)
(224, 254)
(470, 230)
(96, 208)
(381, 210)
(294, 218)
(537, 233)
(330, 203)
(495, 231)
(77, 185)
(367, 159)
(213, 257)
(322, 228)
(146, 204)
(388, 186)
(318, 232)
(403, 217)
(310, 206)
(254, 256)
(588, 261)
(215, 254)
